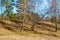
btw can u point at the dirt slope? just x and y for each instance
(27, 38)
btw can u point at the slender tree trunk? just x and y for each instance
(56, 26)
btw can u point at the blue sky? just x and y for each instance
(41, 6)
(3, 8)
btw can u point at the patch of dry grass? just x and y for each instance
(37, 32)
(6, 32)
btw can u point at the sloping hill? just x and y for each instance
(14, 27)
(9, 25)
(4, 31)
(7, 28)
(27, 38)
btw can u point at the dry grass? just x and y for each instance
(37, 32)
(6, 32)
(27, 38)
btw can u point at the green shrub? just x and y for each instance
(12, 16)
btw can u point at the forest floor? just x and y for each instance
(6, 34)
(16, 37)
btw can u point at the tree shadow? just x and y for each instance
(41, 33)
